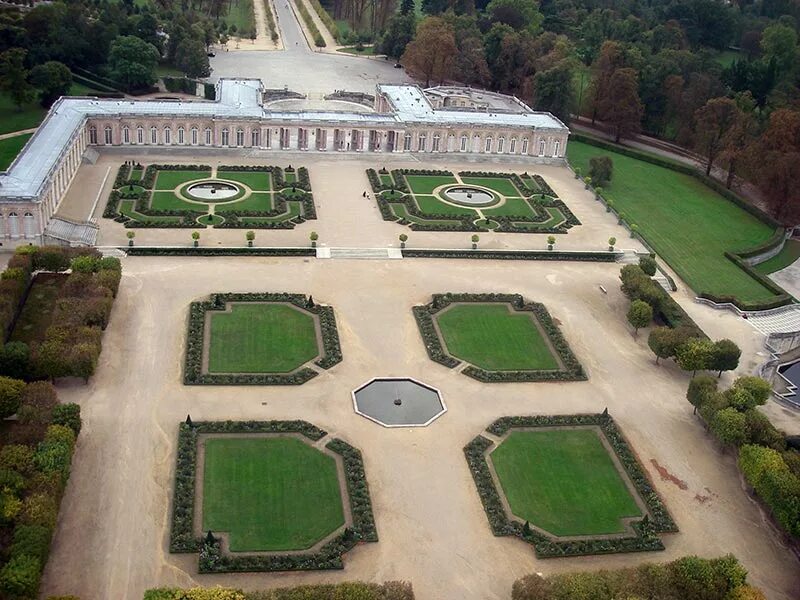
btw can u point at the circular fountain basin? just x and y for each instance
(469, 196)
(211, 191)
(398, 402)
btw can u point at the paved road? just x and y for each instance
(303, 69)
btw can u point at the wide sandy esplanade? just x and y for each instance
(112, 535)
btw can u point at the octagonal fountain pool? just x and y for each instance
(398, 402)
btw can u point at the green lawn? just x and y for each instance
(273, 493)
(240, 13)
(260, 201)
(10, 147)
(12, 119)
(425, 184)
(169, 201)
(432, 205)
(261, 338)
(687, 223)
(494, 338)
(365, 51)
(512, 206)
(37, 312)
(787, 256)
(563, 481)
(258, 181)
(501, 185)
(169, 180)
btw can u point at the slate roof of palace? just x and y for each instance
(237, 99)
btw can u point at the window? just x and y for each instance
(557, 148)
(500, 143)
(182, 135)
(225, 137)
(13, 224)
(436, 139)
(194, 136)
(541, 148)
(140, 135)
(407, 142)
(525, 146)
(126, 135)
(153, 135)
(255, 138)
(512, 146)
(240, 137)
(463, 143)
(167, 135)
(209, 137)
(93, 135)
(28, 225)
(107, 133)
(488, 146)
(421, 143)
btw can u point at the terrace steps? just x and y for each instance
(360, 253)
(785, 319)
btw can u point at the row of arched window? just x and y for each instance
(10, 225)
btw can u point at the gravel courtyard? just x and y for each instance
(114, 522)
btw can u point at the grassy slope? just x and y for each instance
(490, 337)
(688, 224)
(10, 147)
(261, 338)
(788, 255)
(270, 493)
(563, 481)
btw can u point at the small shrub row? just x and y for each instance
(273, 30)
(329, 23)
(645, 537)
(424, 315)
(319, 41)
(599, 256)
(201, 251)
(350, 590)
(193, 373)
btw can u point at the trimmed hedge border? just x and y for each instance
(572, 371)
(782, 298)
(193, 372)
(211, 251)
(467, 222)
(589, 256)
(211, 559)
(646, 538)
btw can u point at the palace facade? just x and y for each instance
(404, 119)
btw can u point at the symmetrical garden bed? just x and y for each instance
(569, 485)
(428, 200)
(500, 336)
(259, 339)
(195, 195)
(282, 500)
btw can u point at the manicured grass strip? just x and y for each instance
(517, 207)
(128, 208)
(400, 211)
(432, 205)
(787, 256)
(37, 312)
(169, 180)
(425, 184)
(290, 177)
(274, 493)
(258, 181)
(556, 219)
(563, 481)
(260, 201)
(501, 185)
(365, 51)
(10, 147)
(386, 179)
(493, 338)
(685, 222)
(169, 201)
(261, 338)
(136, 174)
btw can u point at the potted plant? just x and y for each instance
(313, 237)
(250, 236)
(587, 183)
(598, 192)
(196, 238)
(551, 240)
(634, 229)
(475, 240)
(611, 241)
(403, 239)
(577, 172)
(609, 205)
(130, 235)
(621, 218)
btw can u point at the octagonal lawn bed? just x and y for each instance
(259, 339)
(501, 337)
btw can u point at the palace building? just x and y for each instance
(403, 119)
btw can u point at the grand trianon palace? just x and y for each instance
(401, 119)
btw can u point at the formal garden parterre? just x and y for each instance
(501, 337)
(273, 484)
(259, 339)
(569, 485)
(228, 197)
(431, 200)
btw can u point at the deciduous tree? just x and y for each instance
(700, 390)
(695, 355)
(621, 107)
(639, 315)
(431, 55)
(133, 62)
(725, 356)
(14, 77)
(53, 80)
(712, 123)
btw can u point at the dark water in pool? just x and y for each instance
(418, 403)
(791, 372)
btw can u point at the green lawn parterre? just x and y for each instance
(261, 338)
(688, 224)
(495, 338)
(10, 147)
(563, 481)
(786, 257)
(270, 493)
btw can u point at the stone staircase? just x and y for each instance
(785, 319)
(360, 253)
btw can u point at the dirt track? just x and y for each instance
(111, 541)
